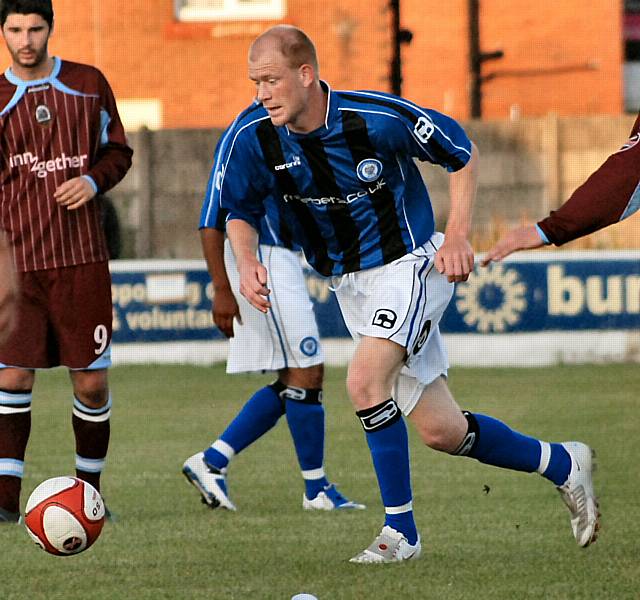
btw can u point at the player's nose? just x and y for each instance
(262, 93)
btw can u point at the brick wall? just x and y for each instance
(198, 73)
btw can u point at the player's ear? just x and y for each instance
(307, 75)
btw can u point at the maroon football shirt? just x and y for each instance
(52, 130)
(610, 194)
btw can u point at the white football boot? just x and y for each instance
(390, 546)
(577, 493)
(330, 499)
(210, 482)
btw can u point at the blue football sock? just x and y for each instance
(498, 445)
(306, 424)
(260, 413)
(389, 446)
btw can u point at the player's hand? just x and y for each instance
(455, 258)
(225, 309)
(253, 283)
(520, 238)
(74, 193)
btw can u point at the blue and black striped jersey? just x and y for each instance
(214, 216)
(349, 192)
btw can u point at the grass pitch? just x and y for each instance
(487, 533)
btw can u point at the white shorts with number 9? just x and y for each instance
(285, 337)
(402, 301)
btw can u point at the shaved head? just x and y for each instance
(291, 42)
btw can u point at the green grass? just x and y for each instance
(512, 543)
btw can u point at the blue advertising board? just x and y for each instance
(157, 301)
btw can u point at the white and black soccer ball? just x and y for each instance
(64, 515)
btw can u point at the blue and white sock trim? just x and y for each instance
(398, 510)
(313, 474)
(225, 449)
(12, 403)
(90, 465)
(545, 456)
(95, 415)
(12, 467)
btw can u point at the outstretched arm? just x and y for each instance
(609, 195)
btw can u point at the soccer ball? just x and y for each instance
(64, 515)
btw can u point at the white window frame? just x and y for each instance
(231, 10)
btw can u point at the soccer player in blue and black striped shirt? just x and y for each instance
(340, 167)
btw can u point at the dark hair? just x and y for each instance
(26, 7)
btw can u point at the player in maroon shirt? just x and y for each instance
(609, 195)
(62, 143)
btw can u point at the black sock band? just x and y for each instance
(471, 438)
(380, 416)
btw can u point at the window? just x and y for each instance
(217, 10)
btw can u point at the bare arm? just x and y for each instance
(225, 306)
(455, 257)
(8, 289)
(253, 275)
(520, 238)
(606, 197)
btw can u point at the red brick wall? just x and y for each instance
(540, 40)
(198, 70)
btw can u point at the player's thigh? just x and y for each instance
(28, 344)
(287, 335)
(81, 315)
(372, 371)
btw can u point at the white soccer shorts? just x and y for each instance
(402, 301)
(285, 337)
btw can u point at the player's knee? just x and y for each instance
(308, 377)
(442, 434)
(92, 391)
(16, 379)
(359, 387)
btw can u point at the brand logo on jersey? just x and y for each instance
(38, 88)
(369, 169)
(384, 318)
(296, 162)
(424, 129)
(42, 168)
(309, 346)
(334, 199)
(43, 114)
